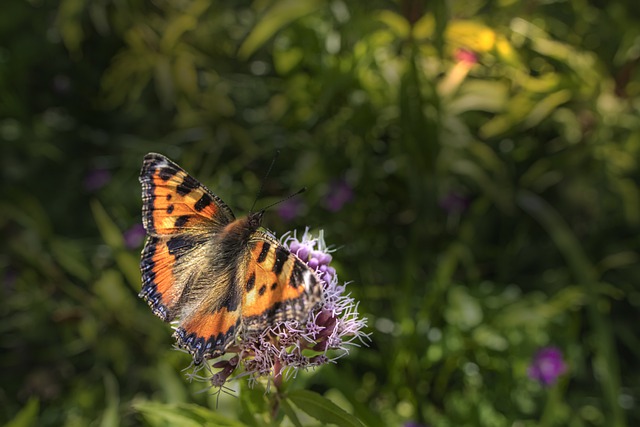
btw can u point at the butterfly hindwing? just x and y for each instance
(271, 285)
(278, 286)
(208, 333)
(166, 273)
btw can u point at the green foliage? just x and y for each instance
(492, 148)
(322, 409)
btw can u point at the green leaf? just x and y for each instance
(129, 265)
(186, 74)
(70, 256)
(69, 21)
(546, 106)
(164, 82)
(322, 409)
(110, 416)
(254, 403)
(175, 30)
(115, 297)
(172, 384)
(184, 415)
(290, 413)
(27, 415)
(277, 17)
(396, 22)
(499, 193)
(285, 60)
(479, 95)
(112, 235)
(108, 229)
(463, 310)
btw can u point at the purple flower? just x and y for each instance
(454, 203)
(290, 209)
(134, 236)
(97, 178)
(547, 365)
(338, 195)
(281, 350)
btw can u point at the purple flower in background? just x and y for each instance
(97, 178)
(454, 203)
(547, 365)
(290, 209)
(340, 193)
(134, 236)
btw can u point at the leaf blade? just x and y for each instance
(322, 409)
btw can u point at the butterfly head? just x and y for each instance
(255, 219)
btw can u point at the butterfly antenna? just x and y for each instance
(300, 191)
(264, 180)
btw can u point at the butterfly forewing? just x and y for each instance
(175, 202)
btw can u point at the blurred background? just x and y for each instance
(475, 162)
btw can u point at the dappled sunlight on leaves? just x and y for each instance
(477, 161)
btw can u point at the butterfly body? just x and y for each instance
(213, 274)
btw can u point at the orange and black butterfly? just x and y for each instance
(216, 275)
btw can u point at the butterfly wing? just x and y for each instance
(173, 202)
(208, 331)
(271, 285)
(180, 215)
(277, 285)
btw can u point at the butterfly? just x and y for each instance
(216, 276)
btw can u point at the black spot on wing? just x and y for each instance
(168, 196)
(262, 290)
(179, 245)
(297, 274)
(274, 285)
(231, 300)
(167, 172)
(181, 221)
(281, 256)
(170, 209)
(203, 202)
(251, 282)
(263, 253)
(187, 185)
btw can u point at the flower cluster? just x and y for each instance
(281, 350)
